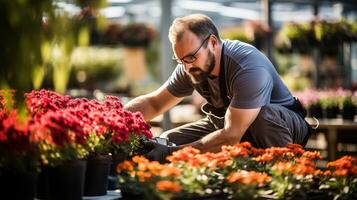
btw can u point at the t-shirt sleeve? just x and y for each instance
(179, 84)
(252, 88)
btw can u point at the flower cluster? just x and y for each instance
(327, 98)
(82, 126)
(162, 178)
(18, 146)
(340, 177)
(239, 172)
(131, 35)
(60, 128)
(332, 101)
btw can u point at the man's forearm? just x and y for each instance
(214, 141)
(143, 105)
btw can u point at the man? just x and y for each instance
(247, 101)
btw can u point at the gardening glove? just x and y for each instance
(159, 151)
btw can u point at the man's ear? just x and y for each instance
(214, 42)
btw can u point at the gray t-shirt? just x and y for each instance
(251, 79)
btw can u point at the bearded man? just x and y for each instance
(246, 99)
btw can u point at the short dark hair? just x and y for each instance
(199, 24)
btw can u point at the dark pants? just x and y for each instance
(275, 125)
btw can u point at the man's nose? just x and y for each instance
(187, 66)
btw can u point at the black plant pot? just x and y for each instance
(315, 111)
(349, 112)
(331, 112)
(96, 179)
(116, 159)
(18, 186)
(65, 181)
(319, 195)
(130, 196)
(42, 183)
(113, 179)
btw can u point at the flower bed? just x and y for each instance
(240, 172)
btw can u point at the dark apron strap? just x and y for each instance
(222, 81)
(299, 108)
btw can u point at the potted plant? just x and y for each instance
(310, 99)
(347, 103)
(19, 157)
(63, 151)
(300, 37)
(102, 127)
(330, 35)
(330, 104)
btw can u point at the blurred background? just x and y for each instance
(90, 48)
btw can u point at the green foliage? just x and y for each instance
(21, 24)
(95, 64)
(302, 37)
(56, 155)
(39, 35)
(237, 34)
(329, 102)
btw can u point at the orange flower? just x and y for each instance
(296, 148)
(246, 145)
(343, 166)
(257, 152)
(170, 171)
(142, 166)
(263, 158)
(235, 151)
(303, 166)
(183, 154)
(154, 167)
(318, 172)
(278, 150)
(168, 186)
(246, 178)
(281, 167)
(125, 166)
(143, 176)
(314, 155)
(354, 170)
(341, 172)
(327, 173)
(213, 160)
(344, 162)
(140, 159)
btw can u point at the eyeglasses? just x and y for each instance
(192, 57)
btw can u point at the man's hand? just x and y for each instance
(158, 152)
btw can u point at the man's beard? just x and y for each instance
(198, 75)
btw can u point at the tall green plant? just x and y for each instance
(36, 35)
(21, 24)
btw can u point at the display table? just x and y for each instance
(111, 195)
(332, 128)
